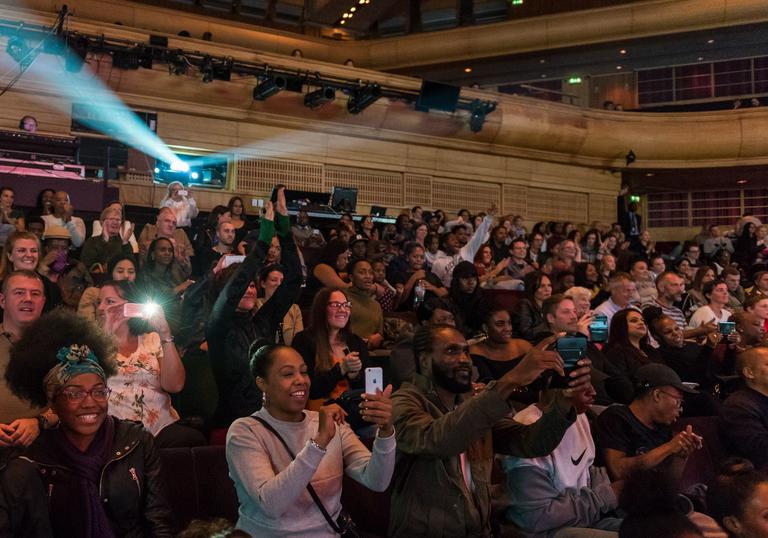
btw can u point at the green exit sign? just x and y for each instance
(574, 80)
(634, 198)
(516, 2)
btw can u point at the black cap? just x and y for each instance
(654, 375)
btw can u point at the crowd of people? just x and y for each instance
(559, 356)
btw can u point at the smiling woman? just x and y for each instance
(288, 463)
(92, 461)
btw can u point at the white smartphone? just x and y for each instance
(183, 192)
(374, 379)
(229, 260)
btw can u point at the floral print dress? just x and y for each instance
(136, 391)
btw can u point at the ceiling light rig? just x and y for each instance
(270, 80)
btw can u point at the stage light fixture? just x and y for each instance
(177, 63)
(269, 86)
(76, 54)
(478, 112)
(206, 68)
(133, 58)
(18, 49)
(363, 97)
(319, 97)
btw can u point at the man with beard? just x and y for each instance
(671, 286)
(446, 436)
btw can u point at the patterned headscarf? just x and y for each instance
(73, 360)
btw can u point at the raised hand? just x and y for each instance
(537, 360)
(377, 409)
(330, 416)
(282, 207)
(269, 211)
(352, 364)
(126, 233)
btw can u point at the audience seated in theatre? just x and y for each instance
(671, 286)
(335, 356)
(657, 265)
(114, 240)
(148, 367)
(36, 225)
(445, 434)
(716, 241)
(282, 450)
(204, 238)
(562, 489)
(538, 288)
(358, 247)
(499, 352)
(9, 214)
(627, 350)
(638, 436)
(22, 302)
(623, 293)
(694, 298)
(581, 299)
(165, 227)
(738, 499)
(466, 296)
(386, 294)
(402, 362)
(586, 275)
(746, 248)
(518, 265)
(536, 250)
(736, 294)
(716, 293)
(330, 271)
(456, 252)
(121, 267)
(367, 318)
(62, 215)
(759, 306)
(562, 318)
(44, 202)
(71, 481)
(744, 421)
(98, 228)
(223, 244)
(233, 325)
(760, 287)
(164, 279)
(58, 265)
(22, 252)
(644, 281)
(270, 278)
(412, 274)
(181, 202)
(239, 216)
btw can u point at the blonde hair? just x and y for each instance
(6, 267)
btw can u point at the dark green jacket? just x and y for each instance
(96, 250)
(429, 497)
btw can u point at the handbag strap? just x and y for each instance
(311, 490)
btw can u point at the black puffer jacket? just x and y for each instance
(230, 333)
(131, 488)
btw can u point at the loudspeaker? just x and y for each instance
(437, 96)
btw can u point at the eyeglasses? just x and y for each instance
(678, 399)
(336, 305)
(78, 395)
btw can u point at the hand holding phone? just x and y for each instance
(571, 349)
(374, 380)
(230, 259)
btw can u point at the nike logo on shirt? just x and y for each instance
(578, 460)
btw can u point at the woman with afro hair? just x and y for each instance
(94, 476)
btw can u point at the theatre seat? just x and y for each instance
(702, 464)
(198, 486)
(505, 298)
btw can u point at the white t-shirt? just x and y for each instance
(705, 314)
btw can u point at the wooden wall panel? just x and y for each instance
(258, 176)
(546, 204)
(451, 195)
(515, 201)
(374, 187)
(602, 208)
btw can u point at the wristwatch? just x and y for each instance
(42, 422)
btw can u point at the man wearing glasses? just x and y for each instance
(638, 436)
(448, 430)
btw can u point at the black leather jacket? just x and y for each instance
(131, 488)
